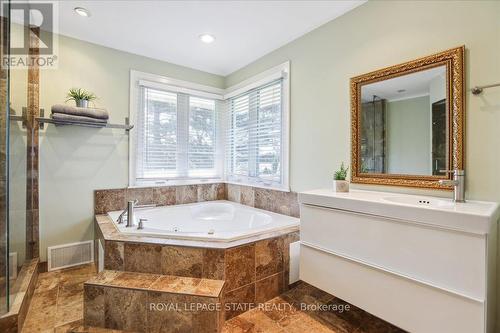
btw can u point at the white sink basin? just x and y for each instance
(420, 201)
(471, 216)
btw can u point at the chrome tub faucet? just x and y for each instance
(129, 212)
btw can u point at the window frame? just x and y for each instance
(154, 81)
(281, 71)
(180, 86)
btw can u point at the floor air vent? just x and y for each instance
(67, 255)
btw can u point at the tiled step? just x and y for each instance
(151, 303)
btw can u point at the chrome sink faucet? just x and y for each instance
(458, 184)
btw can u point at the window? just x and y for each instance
(257, 136)
(185, 132)
(176, 136)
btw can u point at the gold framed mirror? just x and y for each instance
(407, 122)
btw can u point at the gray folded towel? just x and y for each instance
(76, 111)
(91, 121)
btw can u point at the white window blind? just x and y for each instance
(254, 145)
(176, 136)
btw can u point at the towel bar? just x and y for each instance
(41, 120)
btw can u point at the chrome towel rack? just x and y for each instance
(477, 90)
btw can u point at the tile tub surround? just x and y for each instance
(254, 272)
(142, 302)
(116, 199)
(271, 200)
(255, 269)
(280, 202)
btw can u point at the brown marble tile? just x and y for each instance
(176, 284)
(233, 192)
(114, 255)
(134, 280)
(268, 257)
(70, 290)
(8, 324)
(287, 240)
(247, 196)
(239, 300)
(238, 325)
(182, 261)
(109, 200)
(144, 195)
(183, 318)
(209, 288)
(261, 322)
(104, 277)
(277, 201)
(304, 323)
(187, 285)
(372, 324)
(144, 258)
(240, 266)
(186, 194)
(305, 293)
(268, 288)
(207, 192)
(45, 299)
(93, 309)
(164, 196)
(221, 191)
(125, 309)
(281, 310)
(213, 264)
(69, 309)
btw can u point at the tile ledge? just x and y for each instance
(106, 278)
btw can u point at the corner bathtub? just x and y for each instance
(220, 221)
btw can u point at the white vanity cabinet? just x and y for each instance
(425, 267)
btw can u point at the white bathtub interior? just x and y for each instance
(219, 220)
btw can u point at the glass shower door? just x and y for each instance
(13, 156)
(4, 130)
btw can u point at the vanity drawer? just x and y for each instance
(446, 259)
(407, 304)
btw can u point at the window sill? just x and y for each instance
(181, 182)
(176, 182)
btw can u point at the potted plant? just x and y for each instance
(81, 97)
(340, 184)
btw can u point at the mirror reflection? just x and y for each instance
(404, 124)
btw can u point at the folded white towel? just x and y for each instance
(76, 111)
(80, 119)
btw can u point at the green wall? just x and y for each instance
(376, 35)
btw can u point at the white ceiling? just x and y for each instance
(169, 30)
(414, 85)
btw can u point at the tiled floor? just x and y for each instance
(57, 307)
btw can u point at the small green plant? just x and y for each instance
(341, 174)
(79, 94)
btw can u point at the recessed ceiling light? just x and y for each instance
(207, 38)
(82, 11)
